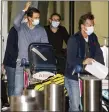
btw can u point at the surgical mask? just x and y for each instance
(24, 20)
(90, 30)
(35, 22)
(55, 24)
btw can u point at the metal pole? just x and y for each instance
(92, 94)
(54, 98)
(71, 17)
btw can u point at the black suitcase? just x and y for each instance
(37, 63)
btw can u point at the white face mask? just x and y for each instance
(90, 30)
(55, 24)
(24, 20)
(35, 22)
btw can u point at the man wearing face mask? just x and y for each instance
(28, 33)
(56, 35)
(83, 48)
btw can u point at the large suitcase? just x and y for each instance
(39, 64)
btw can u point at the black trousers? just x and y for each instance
(4, 97)
(61, 62)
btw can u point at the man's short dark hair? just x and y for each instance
(32, 10)
(56, 14)
(84, 17)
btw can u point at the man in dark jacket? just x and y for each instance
(82, 48)
(10, 57)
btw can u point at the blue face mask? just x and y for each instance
(90, 30)
(36, 22)
(55, 24)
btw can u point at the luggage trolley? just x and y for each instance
(41, 63)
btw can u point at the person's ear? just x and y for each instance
(29, 18)
(83, 27)
(50, 20)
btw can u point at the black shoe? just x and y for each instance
(6, 105)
